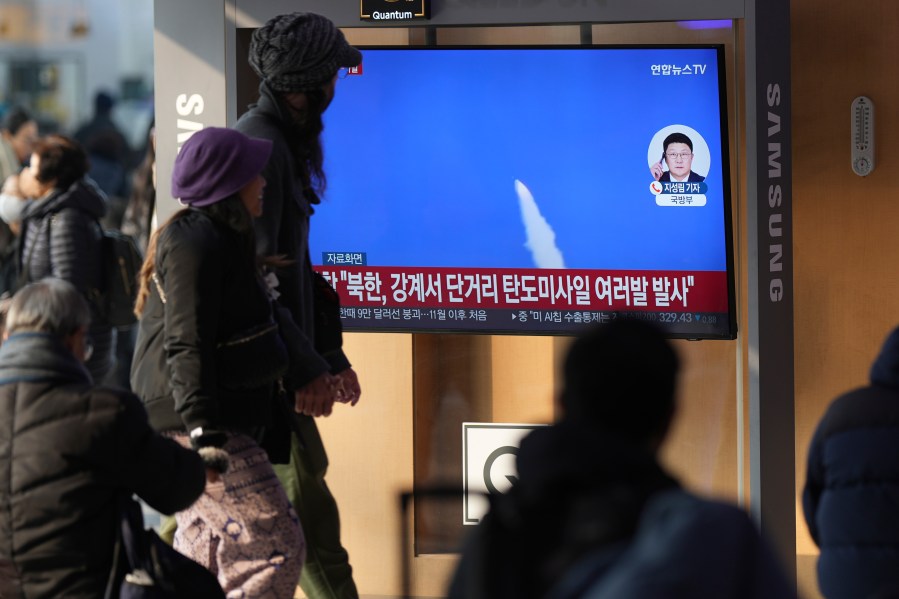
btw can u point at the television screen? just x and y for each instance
(530, 190)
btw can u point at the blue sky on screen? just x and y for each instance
(424, 150)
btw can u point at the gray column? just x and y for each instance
(189, 54)
(772, 435)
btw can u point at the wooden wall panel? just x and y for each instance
(523, 386)
(702, 448)
(845, 227)
(370, 450)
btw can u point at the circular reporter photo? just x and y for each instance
(678, 153)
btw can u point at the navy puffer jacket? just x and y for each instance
(851, 496)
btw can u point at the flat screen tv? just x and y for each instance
(526, 190)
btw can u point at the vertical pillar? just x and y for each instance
(190, 91)
(772, 436)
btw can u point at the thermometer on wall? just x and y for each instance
(862, 136)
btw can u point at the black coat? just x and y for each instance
(283, 229)
(851, 496)
(67, 452)
(61, 238)
(213, 295)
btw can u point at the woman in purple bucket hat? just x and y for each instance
(209, 363)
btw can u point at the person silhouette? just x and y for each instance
(594, 514)
(299, 58)
(852, 485)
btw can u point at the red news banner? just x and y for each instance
(517, 288)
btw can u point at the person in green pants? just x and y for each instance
(298, 58)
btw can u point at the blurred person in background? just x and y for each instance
(61, 235)
(12, 203)
(140, 214)
(18, 133)
(110, 157)
(141, 210)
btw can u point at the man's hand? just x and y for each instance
(656, 170)
(348, 390)
(317, 397)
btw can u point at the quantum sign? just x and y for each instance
(394, 10)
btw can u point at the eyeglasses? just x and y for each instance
(675, 156)
(342, 72)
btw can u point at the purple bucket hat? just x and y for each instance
(216, 163)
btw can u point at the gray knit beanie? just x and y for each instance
(300, 51)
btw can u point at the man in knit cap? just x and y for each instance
(298, 57)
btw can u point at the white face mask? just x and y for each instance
(11, 208)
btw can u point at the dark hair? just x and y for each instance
(621, 377)
(677, 138)
(15, 118)
(103, 103)
(62, 161)
(304, 140)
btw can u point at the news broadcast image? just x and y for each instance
(509, 190)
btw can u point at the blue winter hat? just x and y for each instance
(215, 163)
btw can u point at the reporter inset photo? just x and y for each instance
(678, 153)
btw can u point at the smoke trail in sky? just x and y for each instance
(541, 239)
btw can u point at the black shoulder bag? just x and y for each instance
(146, 567)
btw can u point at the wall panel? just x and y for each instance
(846, 226)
